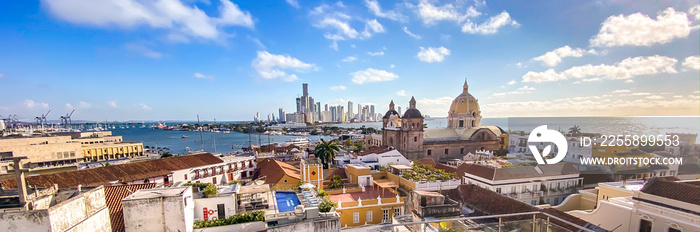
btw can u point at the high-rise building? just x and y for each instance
(282, 116)
(306, 89)
(351, 114)
(400, 111)
(371, 112)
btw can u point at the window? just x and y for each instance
(673, 173)
(213, 180)
(430, 152)
(397, 211)
(534, 202)
(673, 230)
(447, 151)
(645, 226)
(356, 217)
(461, 123)
(285, 180)
(385, 215)
(498, 190)
(512, 189)
(221, 210)
(461, 151)
(415, 139)
(368, 217)
(185, 176)
(662, 173)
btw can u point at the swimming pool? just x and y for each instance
(286, 201)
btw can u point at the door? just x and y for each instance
(221, 210)
(367, 184)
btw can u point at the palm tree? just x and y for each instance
(575, 130)
(326, 151)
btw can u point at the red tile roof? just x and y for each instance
(688, 192)
(507, 173)
(114, 196)
(274, 170)
(486, 202)
(375, 150)
(119, 173)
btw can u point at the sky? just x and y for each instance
(227, 60)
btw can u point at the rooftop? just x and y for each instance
(370, 193)
(520, 172)
(632, 185)
(685, 191)
(158, 192)
(113, 198)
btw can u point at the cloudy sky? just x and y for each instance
(171, 59)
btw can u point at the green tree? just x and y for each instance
(326, 205)
(336, 182)
(210, 190)
(166, 155)
(326, 151)
(575, 130)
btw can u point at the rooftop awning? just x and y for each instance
(254, 189)
(385, 183)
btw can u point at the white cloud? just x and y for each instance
(392, 66)
(554, 57)
(695, 11)
(401, 93)
(692, 62)
(431, 14)
(179, 19)
(84, 105)
(69, 106)
(271, 66)
(144, 106)
(372, 75)
(202, 76)
(380, 53)
(520, 65)
(622, 91)
(655, 97)
(606, 105)
(256, 41)
(338, 24)
(405, 29)
(376, 9)
(338, 87)
(372, 27)
(349, 59)
(521, 90)
(491, 26)
(293, 3)
(641, 30)
(431, 54)
(143, 50)
(112, 104)
(512, 82)
(626, 69)
(435, 107)
(31, 104)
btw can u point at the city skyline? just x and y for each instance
(228, 60)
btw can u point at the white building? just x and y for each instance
(660, 206)
(223, 205)
(160, 209)
(548, 183)
(379, 157)
(232, 167)
(518, 146)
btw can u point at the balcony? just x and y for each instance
(449, 208)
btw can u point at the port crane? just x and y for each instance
(66, 120)
(42, 120)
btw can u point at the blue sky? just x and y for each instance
(172, 60)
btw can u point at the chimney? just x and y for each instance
(80, 187)
(21, 182)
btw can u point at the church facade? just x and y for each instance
(463, 134)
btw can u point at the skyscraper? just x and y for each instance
(350, 113)
(282, 116)
(371, 112)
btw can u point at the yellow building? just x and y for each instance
(68, 149)
(278, 174)
(312, 172)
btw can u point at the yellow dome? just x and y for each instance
(465, 103)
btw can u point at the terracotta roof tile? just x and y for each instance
(118, 173)
(507, 173)
(274, 170)
(688, 192)
(114, 196)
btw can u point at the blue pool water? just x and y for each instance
(286, 201)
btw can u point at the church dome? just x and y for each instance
(391, 111)
(412, 112)
(465, 103)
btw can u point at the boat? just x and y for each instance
(184, 136)
(298, 141)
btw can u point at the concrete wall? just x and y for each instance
(85, 212)
(318, 225)
(175, 213)
(211, 204)
(607, 216)
(243, 227)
